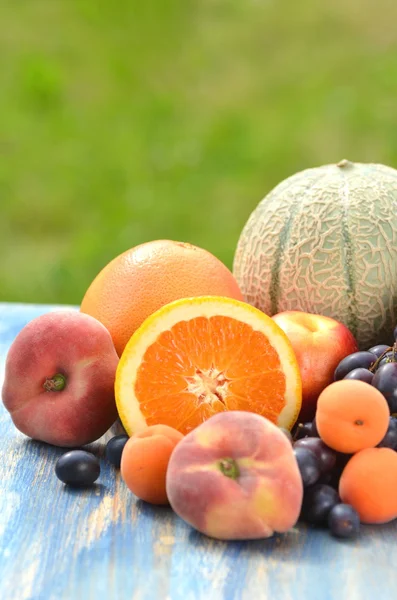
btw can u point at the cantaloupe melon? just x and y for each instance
(324, 241)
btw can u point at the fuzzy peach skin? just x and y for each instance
(235, 477)
(79, 348)
(319, 344)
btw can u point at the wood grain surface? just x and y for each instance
(58, 543)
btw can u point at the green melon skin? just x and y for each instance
(324, 241)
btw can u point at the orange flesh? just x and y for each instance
(208, 365)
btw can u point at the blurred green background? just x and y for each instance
(136, 120)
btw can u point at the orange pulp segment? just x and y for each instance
(196, 357)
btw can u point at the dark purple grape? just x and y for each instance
(343, 521)
(325, 456)
(385, 380)
(332, 477)
(327, 478)
(78, 468)
(318, 501)
(390, 439)
(395, 333)
(308, 464)
(379, 349)
(354, 361)
(361, 374)
(341, 461)
(388, 358)
(114, 449)
(314, 428)
(303, 430)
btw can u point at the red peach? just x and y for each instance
(59, 379)
(235, 476)
(319, 344)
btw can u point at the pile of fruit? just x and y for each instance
(347, 455)
(244, 420)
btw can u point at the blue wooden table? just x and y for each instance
(101, 543)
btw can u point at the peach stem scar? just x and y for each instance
(229, 467)
(55, 384)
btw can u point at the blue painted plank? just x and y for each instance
(103, 543)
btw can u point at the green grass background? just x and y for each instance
(126, 121)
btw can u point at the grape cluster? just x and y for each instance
(376, 366)
(320, 468)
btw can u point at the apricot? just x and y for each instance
(351, 415)
(144, 462)
(59, 379)
(235, 476)
(369, 484)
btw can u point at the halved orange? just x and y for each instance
(199, 356)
